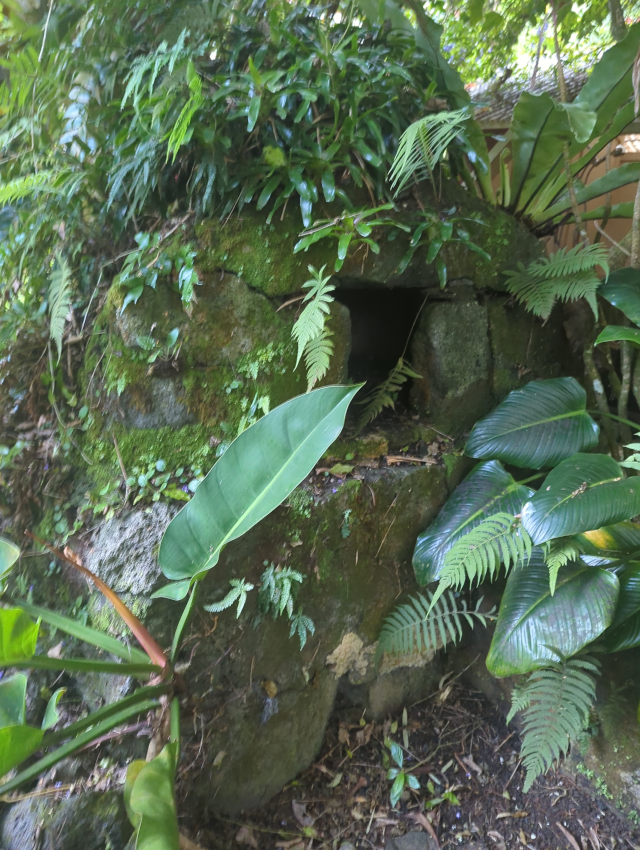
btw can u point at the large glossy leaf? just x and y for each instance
(622, 289)
(17, 741)
(609, 85)
(13, 695)
(614, 179)
(536, 426)
(624, 632)
(487, 490)
(9, 554)
(150, 801)
(255, 474)
(612, 542)
(16, 744)
(18, 636)
(533, 626)
(582, 493)
(618, 333)
(539, 129)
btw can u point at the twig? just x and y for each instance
(611, 239)
(385, 537)
(512, 775)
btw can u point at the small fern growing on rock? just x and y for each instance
(310, 331)
(386, 393)
(556, 702)
(424, 624)
(568, 275)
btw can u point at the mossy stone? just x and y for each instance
(87, 821)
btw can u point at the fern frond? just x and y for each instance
(239, 590)
(568, 275)
(178, 134)
(424, 625)
(557, 553)
(22, 187)
(59, 300)
(317, 356)
(422, 146)
(556, 702)
(318, 301)
(386, 393)
(499, 539)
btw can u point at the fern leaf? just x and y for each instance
(386, 393)
(422, 146)
(180, 128)
(318, 301)
(422, 625)
(557, 553)
(59, 300)
(22, 187)
(556, 702)
(568, 275)
(317, 356)
(499, 539)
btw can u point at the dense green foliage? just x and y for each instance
(569, 549)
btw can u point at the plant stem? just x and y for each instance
(618, 26)
(601, 400)
(628, 422)
(83, 665)
(78, 743)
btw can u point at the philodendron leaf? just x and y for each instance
(612, 542)
(13, 693)
(487, 490)
(18, 636)
(580, 494)
(618, 333)
(16, 744)
(9, 554)
(622, 289)
(17, 741)
(536, 426)
(150, 801)
(255, 474)
(51, 714)
(534, 627)
(624, 632)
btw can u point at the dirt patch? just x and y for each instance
(456, 744)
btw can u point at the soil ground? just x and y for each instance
(455, 741)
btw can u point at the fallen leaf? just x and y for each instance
(56, 651)
(364, 735)
(343, 734)
(219, 758)
(498, 838)
(513, 815)
(335, 781)
(270, 687)
(442, 698)
(245, 836)
(568, 836)
(523, 838)
(300, 814)
(356, 814)
(361, 783)
(425, 823)
(341, 469)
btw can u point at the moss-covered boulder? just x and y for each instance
(471, 350)
(263, 254)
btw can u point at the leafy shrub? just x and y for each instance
(569, 548)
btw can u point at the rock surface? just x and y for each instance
(88, 821)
